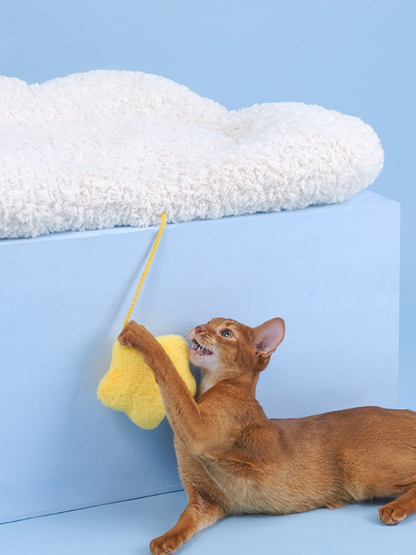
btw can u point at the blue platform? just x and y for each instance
(332, 272)
(127, 529)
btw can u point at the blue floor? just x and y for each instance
(127, 528)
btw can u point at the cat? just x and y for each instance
(233, 460)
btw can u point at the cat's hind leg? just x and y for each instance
(196, 516)
(399, 509)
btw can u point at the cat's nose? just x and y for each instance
(200, 329)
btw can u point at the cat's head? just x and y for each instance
(225, 347)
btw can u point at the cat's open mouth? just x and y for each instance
(200, 349)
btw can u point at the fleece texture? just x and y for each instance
(129, 385)
(109, 148)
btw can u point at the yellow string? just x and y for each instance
(146, 269)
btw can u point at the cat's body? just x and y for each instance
(310, 462)
(233, 460)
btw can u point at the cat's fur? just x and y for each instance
(234, 460)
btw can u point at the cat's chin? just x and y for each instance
(200, 358)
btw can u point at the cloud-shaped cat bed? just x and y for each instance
(105, 148)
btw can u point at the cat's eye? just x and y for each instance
(227, 334)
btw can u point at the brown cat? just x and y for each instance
(233, 460)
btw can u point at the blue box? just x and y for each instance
(332, 273)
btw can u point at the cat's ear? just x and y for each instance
(268, 336)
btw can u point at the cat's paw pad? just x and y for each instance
(165, 545)
(124, 340)
(392, 515)
(131, 334)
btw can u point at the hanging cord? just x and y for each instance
(146, 269)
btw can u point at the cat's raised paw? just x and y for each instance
(134, 335)
(391, 515)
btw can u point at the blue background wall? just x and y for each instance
(355, 56)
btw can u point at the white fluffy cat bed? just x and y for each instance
(107, 148)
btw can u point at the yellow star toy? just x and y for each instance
(129, 384)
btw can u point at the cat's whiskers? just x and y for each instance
(228, 366)
(208, 345)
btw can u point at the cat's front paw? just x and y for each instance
(165, 544)
(389, 514)
(136, 336)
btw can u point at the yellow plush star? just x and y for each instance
(129, 384)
